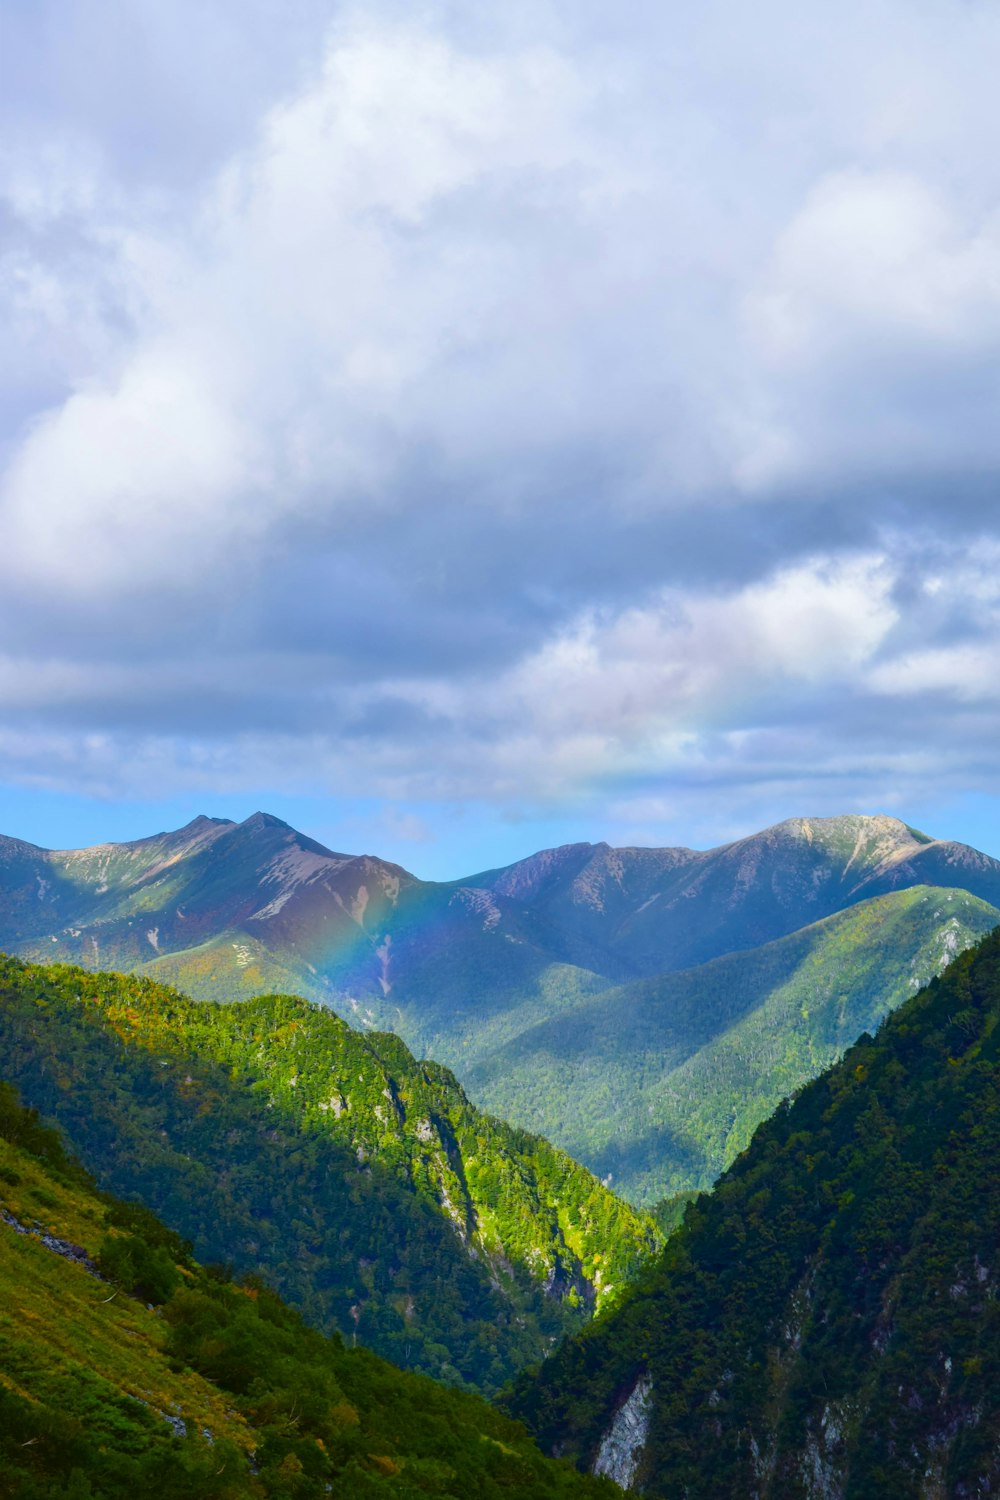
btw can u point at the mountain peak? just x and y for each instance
(528, 877)
(806, 827)
(202, 820)
(265, 820)
(863, 837)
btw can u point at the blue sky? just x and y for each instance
(434, 842)
(461, 429)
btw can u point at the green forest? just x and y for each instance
(829, 1313)
(359, 1182)
(662, 1082)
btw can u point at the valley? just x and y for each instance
(361, 1183)
(129, 1368)
(584, 1195)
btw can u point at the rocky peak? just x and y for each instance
(525, 879)
(261, 820)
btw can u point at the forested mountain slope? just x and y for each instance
(126, 1369)
(659, 1084)
(826, 1323)
(581, 977)
(360, 1182)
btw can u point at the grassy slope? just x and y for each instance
(662, 1082)
(89, 1374)
(62, 1341)
(827, 1320)
(363, 1183)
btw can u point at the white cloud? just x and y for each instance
(684, 661)
(469, 256)
(283, 343)
(126, 486)
(966, 672)
(577, 293)
(880, 250)
(881, 296)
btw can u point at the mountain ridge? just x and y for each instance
(874, 854)
(819, 865)
(466, 970)
(657, 1084)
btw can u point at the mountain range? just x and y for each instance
(617, 914)
(693, 988)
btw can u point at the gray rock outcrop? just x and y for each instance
(621, 1447)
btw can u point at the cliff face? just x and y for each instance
(624, 1442)
(827, 1321)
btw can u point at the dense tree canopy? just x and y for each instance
(831, 1308)
(360, 1182)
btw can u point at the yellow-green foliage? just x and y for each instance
(361, 1182)
(89, 1377)
(68, 1339)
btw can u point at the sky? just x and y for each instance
(465, 428)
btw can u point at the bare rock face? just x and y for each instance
(621, 1447)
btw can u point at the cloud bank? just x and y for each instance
(530, 406)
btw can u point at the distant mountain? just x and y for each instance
(216, 901)
(825, 1323)
(664, 909)
(500, 975)
(659, 1084)
(128, 1369)
(261, 887)
(361, 1183)
(253, 886)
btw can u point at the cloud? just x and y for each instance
(522, 407)
(964, 672)
(282, 350)
(880, 306)
(882, 251)
(685, 663)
